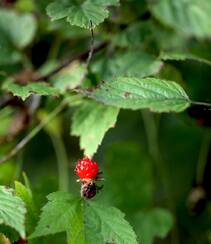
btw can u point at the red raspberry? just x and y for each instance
(87, 169)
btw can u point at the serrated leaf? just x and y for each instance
(190, 17)
(134, 93)
(57, 215)
(91, 121)
(113, 226)
(69, 77)
(20, 28)
(25, 91)
(183, 56)
(84, 222)
(12, 211)
(80, 15)
(26, 195)
(129, 64)
(153, 223)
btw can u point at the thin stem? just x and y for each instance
(91, 45)
(62, 161)
(34, 132)
(202, 159)
(201, 103)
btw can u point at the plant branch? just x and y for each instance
(91, 45)
(82, 56)
(34, 131)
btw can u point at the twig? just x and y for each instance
(82, 56)
(26, 139)
(91, 45)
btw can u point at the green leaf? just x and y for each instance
(69, 77)
(57, 215)
(20, 28)
(129, 64)
(91, 121)
(25, 91)
(26, 195)
(84, 222)
(191, 17)
(153, 223)
(113, 226)
(182, 57)
(80, 15)
(134, 93)
(12, 210)
(9, 54)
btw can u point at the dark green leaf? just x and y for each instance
(133, 63)
(153, 223)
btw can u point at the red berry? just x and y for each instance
(87, 169)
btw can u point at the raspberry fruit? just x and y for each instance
(87, 169)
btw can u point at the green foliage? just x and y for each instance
(144, 54)
(84, 222)
(153, 223)
(12, 210)
(191, 17)
(17, 31)
(69, 77)
(26, 195)
(131, 64)
(134, 93)
(80, 14)
(183, 56)
(25, 91)
(91, 121)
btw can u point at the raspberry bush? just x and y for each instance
(105, 113)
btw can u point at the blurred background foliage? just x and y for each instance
(157, 167)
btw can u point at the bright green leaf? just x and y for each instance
(80, 15)
(113, 226)
(57, 215)
(12, 210)
(129, 64)
(153, 223)
(91, 121)
(191, 17)
(134, 93)
(25, 91)
(26, 195)
(84, 222)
